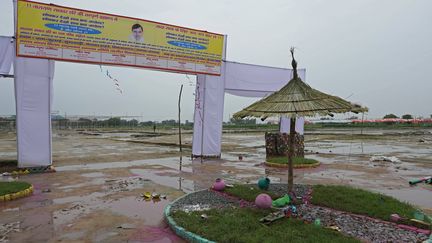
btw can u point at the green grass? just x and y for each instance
(242, 225)
(296, 160)
(360, 202)
(248, 192)
(7, 187)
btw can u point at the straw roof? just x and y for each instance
(297, 99)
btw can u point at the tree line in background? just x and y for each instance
(406, 116)
(59, 122)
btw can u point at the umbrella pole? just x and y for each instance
(291, 155)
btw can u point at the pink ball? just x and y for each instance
(219, 185)
(263, 201)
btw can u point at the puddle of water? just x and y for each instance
(367, 148)
(73, 235)
(96, 181)
(87, 198)
(172, 162)
(155, 235)
(414, 195)
(94, 174)
(170, 179)
(149, 211)
(135, 207)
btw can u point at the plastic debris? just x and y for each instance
(381, 158)
(272, 217)
(395, 217)
(280, 202)
(317, 222)
(126, 226)
(424, 179)
(196, 207)
(334, 227)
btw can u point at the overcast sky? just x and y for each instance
(377, 53)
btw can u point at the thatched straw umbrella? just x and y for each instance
(297, 99)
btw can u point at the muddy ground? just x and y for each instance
(95, 195)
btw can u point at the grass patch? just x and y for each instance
(7, 187)
(242, 225)
(360, 202)
(248, 192)
(296, 160)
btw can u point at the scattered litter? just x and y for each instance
(290, 211)
(272, 217)
(317, 222)
(281, 202)
(20, 172)
(196, 207)
(46, 190)
(395, 217)
(420, 224)
(5, 229)
(11, 209)
(75, 207)
(426, 179)
(380, 158)
(126, 226)
(204, 216)
(153, 196)
(6, 174)
(334, 227)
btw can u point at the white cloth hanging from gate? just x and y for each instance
(7, 54)
(248, 80)
(209, 105)
(33, 95)
(285, 124)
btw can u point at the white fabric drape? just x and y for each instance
(239, 79)
(7, 54)
(285, 124)
(248, 80)
(33, 94)
(208, 117)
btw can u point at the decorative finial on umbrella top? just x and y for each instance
(294, 64)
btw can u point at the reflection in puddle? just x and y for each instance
(172, 162)
(417, 196)
(166, 178)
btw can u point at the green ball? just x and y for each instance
(263, 183)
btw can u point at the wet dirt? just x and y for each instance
(95, 195)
